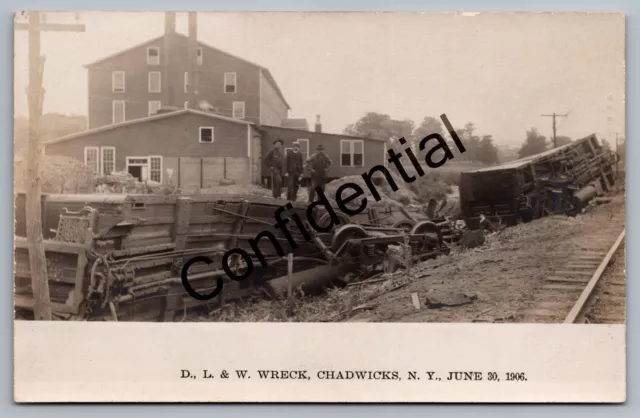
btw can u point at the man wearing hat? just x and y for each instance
(294, 166)
(274, 160)
(318, 164)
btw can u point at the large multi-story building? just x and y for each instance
(162, 72)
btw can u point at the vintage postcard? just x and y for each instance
(319, 207)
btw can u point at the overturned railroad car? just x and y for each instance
(120, 257)
(560, 180)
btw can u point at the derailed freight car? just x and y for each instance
(120, 257)
(560, 180)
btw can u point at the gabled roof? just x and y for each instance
(265, 70)
(304, 131)
(143, 120)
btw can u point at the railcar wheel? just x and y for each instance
(345, 233)
(426, 227)
(325, 219)
(405, 224)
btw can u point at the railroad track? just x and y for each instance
(591, 287)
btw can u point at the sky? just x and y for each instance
(499, 71)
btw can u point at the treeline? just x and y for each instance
(480, 148)
(536, 143)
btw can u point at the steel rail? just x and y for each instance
(585, 296)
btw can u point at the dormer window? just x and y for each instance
(230, 81)
(153, 55)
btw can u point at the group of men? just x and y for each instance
(291, 165)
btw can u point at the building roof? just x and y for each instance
(143, 120)
(296, 123)
(265, 70)
(305, 131)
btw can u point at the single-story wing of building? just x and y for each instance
(193, 149)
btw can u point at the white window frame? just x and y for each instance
(199, 56)
(129, 164)
(186, 104)
(213, 134)
(151, 157)
(157, 56)
(352, 147)
(159, 82)
(233, 110)
(306, 142)
(186, 81)
(235, 83)
(150, 105)
(102, 150)
(96, 169)
(113, 81)
(113, 111)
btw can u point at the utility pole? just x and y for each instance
(35, 92)
(554, 116)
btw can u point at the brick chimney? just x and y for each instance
(166, 58)
(318, 124)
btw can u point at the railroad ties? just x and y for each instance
(564, 292)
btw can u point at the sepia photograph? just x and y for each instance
(359, 203)
(319, 167)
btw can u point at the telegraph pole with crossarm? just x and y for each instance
(554, 116)
(35, 93)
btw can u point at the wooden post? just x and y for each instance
(289, 273)
(37, 258)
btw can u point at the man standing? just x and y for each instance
(274, 160)
(318, 164)
(294, 168)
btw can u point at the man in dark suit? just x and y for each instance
(274, 160)
(318, 164)
(294, 168)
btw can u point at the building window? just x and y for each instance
(154, 82)
(186, 82)
(155, 169)
(186, 104)
(108, 158)
(91, 158)
(154, 106)
(206, 134)
(153, 55)
(199, 56)
(230, 81)
(118, 111)
(117, 82)
(238, 110)
(304, 148)
(351, 153)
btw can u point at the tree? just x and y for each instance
(381, 126)
(533, 144)
(428, 126)
(563, 140)
(52, 126)
(487, 153)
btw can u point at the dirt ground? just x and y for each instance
(488, 284)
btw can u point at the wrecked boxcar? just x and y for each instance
(119, 257)
(560, 180)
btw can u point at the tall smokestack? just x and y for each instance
(166, 57)
(318, 124)
(192, 49)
